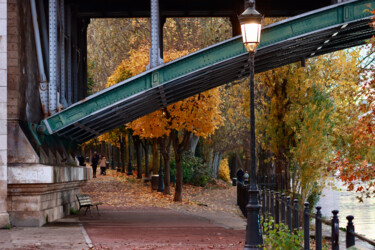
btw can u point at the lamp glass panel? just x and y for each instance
(251, 32)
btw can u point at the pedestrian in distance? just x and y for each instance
(81, 160)
(240, 175)
(102, 164)
(94, 163)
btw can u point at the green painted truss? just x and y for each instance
(318, 32)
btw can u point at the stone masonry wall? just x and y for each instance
(4, 217)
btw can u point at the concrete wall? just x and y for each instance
(4, 217)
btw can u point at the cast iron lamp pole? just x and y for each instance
(250, 21)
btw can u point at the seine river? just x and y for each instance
(347, 204)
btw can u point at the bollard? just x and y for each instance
(318, 228)
(283, 208)
(277, 208)
(306, 221)
(289, 213)
(295, 215)
(234, 182)
(335, 230)
(350, 239)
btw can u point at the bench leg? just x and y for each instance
(87, 209)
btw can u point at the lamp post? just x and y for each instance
(250, 21)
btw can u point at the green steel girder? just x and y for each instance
(145, 81)
(72, 118)
(331, 16)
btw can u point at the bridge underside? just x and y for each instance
(322, 31)
(192, 8)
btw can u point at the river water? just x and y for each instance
(347, 204)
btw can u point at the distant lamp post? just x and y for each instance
(250, 21)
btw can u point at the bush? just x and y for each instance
(277, 236)
(73, 211)
(193, 169)
(224, 172)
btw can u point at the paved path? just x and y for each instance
(63, 234)
(157, 228)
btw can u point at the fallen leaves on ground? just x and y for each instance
(119, 190)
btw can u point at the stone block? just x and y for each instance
(25, 203)
(3, 142)
(12, 62)
(3, 44)
(13, 54)
(3, 94)
(12, 70)
(3, 78)
(12, 30)
(3, 128)
(30, 173)
(26, 218)
(4, 219)
(3, 162)
(3, 60)
(3, 27)
(3, 107)
(3, 10)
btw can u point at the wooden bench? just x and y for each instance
(84, 201)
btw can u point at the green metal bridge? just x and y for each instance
(295, 39)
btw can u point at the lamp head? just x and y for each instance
(250, 21)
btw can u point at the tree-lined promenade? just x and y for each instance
(313, 121)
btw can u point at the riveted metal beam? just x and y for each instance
(282, 43)
(53, 60)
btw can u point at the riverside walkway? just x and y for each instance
(126, 228)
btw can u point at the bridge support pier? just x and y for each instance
(4, 217)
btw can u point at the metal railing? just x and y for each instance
(283, 210)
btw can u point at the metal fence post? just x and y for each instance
(335, 230)
(264, 201)
(350, 239)
(306, 221)
(268, 201)
(295, 215)
(289, 213)
(283, 208)
(318, 228)
(238, 193)
(272, 208)
(277, 208)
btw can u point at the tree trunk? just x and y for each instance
(154, 157)
(147, 171)
(193, 143)
(179, 178)
(121, 155)
(179, 149)
(282, 168)
(165, 144)
(137, 145)
(216, 163)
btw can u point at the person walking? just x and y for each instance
(94, 163)
(240, 175)
(102, 164)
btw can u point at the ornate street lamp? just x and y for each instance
(250, 21)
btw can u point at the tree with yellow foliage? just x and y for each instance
(300, 114)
